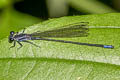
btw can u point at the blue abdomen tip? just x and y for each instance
(108, 46)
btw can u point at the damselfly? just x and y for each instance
(73, 30)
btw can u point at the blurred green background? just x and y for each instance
(18, 14)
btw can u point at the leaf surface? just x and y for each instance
(60, 61)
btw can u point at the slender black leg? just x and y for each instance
(13, 45)
(20, 45)
(23, 30)
(31, 43)
(17, 33)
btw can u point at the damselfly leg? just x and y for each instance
(20, 45)
(32, 43)
(13, 45)
(23, 31)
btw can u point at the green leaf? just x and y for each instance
(90, 6)
(7, 3)
(4, 3)
(60, 61)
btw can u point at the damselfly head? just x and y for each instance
(11, 39)
(12, 33)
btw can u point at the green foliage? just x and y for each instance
(90, 6)
(4, 3)
(60, 61)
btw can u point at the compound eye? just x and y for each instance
(11, 39)
(12, 32)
